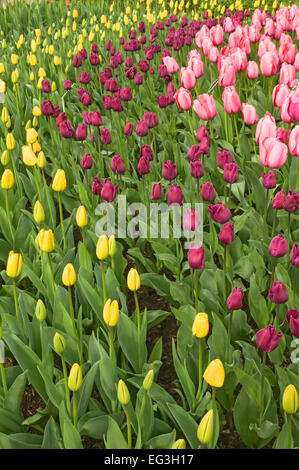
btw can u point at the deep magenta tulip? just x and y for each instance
(234, 300)
(267, 339)
(196, 257)
(278, 293)
(220, 213)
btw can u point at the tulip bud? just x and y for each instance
(10, 142)
(14, 264)
(179, 444)
(133, 280)
(214, 373)
(75, 378)
(102, 249)
(41, 160)
(123, 393)
(7, 180)
(200, 327)
(59, 343)
(205, 428)
(5, 158)
(4, 114)
(59, 182)
(111, 312)
(112, 246)
(38, 213)
(45, 240)
(290, 399)
(148, 380)
(81, 217)
(40, 310)
(69, 275)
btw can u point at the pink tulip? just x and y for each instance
(294, 142)
(252, 70)
(188, 78)
(227, 75)
(196, 64)
(273, 153)
(293, 107)
(217, 35)
(265, 128)
(269, 63)
(205, 107)
(279, 94)
(284, 109)
(213, 55)
(171, 64)
(183, 98)
(231, 100)
(287, 75)
(249, 114)
(254, 33)
(296, 63)
(287, 53)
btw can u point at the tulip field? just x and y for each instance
(149, 224)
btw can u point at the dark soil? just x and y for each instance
(30, 404)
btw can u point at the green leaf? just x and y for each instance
(186, 423)
(71, 437)
(52, 438)
(115, 438)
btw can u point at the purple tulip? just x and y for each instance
(278, 293)
(267, 339)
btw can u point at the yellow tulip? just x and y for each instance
(111, 312)
(69, 275)
(81, 216)
(2, 86)
(205, 428)
(59, 343)
(59, 182)
(290, 399)
(38, 213)
(45, 240)
(179, 444)
(31, 135)
(14, 59)
(51, 49)
(28, 155)
(10, 141)
(5, 158)
(36, 111)
(4, 114)
(102, 249)
(7, 180)
(75, 13)
(2, 68)
(41, 160)
(41, 72)
(133, 280)
(40, 310)
(214, 373)
(14, 264)
(57, 60)
(75, 378)
(200, 327)
(123, 393)
(112, 246)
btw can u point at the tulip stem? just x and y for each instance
(289, 432)
(72, 308)
(229, 334)
(104, 281)
(128, 428)
(67, 392)
(195, 286)
(199, 368)
(84, 247)
(16, 300)
(61, 220)
(274, 224)
(111, 348)
(8, 214)
(224, 270)
(191, 128)
(75, 410)
(52, 272)
(3, 378)
(142, 406)
(236, 128)
(211, 128)
(37, 183)
(289, 228)
(138, 312)
(262, 386)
